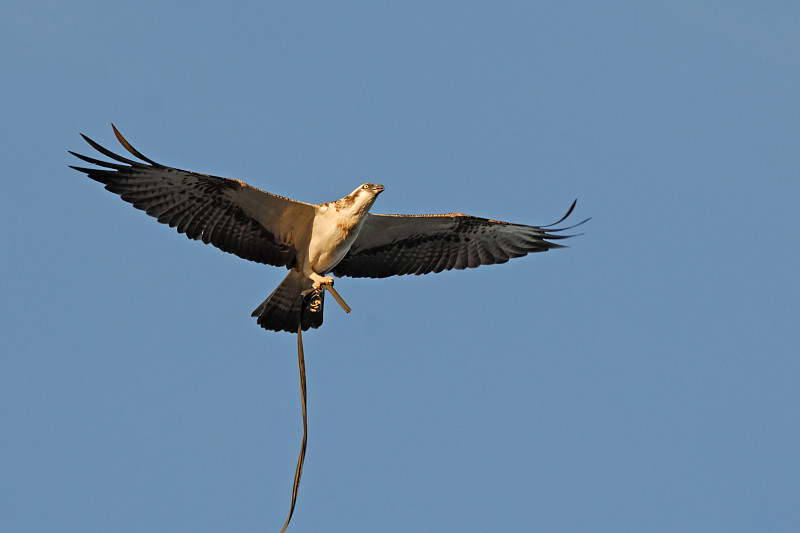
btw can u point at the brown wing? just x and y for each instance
(230, 214)
(391, 245)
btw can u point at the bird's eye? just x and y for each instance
(365, 186)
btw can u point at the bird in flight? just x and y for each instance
(311, 240)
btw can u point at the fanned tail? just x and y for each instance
(282, 310)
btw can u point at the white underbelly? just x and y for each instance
(329, 244)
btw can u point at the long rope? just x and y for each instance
(299, 471)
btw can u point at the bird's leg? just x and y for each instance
(320, 280)
(325, 282)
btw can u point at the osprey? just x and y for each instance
(311, 240)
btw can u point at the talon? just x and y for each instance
(319, 281)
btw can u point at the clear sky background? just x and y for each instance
(645, 379)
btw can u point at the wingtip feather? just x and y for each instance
(124, 142)
(562, 219)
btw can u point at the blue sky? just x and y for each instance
(645, 379)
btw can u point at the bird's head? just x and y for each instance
(360, 200)
(368, 189)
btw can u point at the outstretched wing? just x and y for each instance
(230, 214)
(391, 245)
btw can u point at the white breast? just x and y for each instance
(331, 238)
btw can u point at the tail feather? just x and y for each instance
(286, 307)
